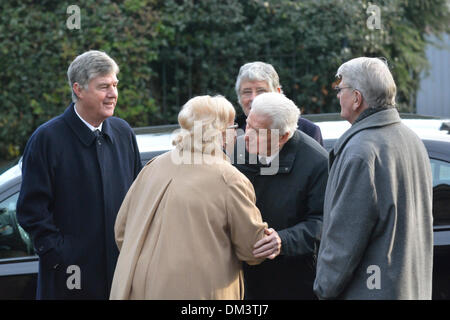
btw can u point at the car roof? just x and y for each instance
(437, 141)
(424, 128)
(154, 140)
(158, 138)
(438, 149)
(10, 177)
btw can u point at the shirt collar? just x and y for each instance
(91, 127)
(82, 130)
(375, 120)
(267, 159)
(286, 156)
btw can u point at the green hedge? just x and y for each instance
(169, 51)
(37, 48)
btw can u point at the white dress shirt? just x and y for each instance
(267, 159)
(90, 126)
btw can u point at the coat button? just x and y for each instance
(41, 248)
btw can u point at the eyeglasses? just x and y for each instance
(249, 92)
(249, 128)
(234, 126)
(338, 89)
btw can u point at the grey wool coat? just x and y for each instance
(377, 240)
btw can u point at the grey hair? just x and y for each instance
(89, 65)
(281, 110)
(370, 76)
(257, 71)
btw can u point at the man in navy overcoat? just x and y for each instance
(76, 170)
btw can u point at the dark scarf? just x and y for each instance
(369, 112)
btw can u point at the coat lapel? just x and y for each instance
(81, 130)
(107, 130)
(285, 158)
(78, 127)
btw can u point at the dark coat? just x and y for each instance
(304, 125)
(72, 188)
(291, 202)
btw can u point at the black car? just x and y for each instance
(19, 264)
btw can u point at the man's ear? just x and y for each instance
(78, 90)
(357, 100)
(284, 138)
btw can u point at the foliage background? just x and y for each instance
(169, 51)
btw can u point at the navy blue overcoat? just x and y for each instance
(72, 187)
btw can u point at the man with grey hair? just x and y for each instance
(377, 240)
(290, 199)
(76, 170)
(258, 77)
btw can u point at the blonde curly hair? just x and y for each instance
(203, 119)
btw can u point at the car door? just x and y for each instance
(441, 225)
(18, 262)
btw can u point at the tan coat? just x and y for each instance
(182, 231)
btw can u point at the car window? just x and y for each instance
(441, 191)
(14, 241)
(441, 172)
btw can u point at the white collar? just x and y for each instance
(90, 126)
(267, 159)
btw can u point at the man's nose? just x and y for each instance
(112, 92)
(250, 134)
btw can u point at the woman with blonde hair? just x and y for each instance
(190, 218)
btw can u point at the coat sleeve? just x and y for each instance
(244, 218)
(311, 129)
(352, 217)
(318, 136)
(36, 199)
(137, 156)
(303, 238)
(121, 219)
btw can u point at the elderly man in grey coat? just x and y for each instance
(377, 238)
